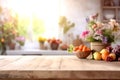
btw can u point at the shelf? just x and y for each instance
(111, 7)
(105, 21)
(109, 20)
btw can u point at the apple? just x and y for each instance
(112, 55)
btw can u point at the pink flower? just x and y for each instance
(84, 34)
(20, 38)
(99, 32)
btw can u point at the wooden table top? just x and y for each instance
(58, 67)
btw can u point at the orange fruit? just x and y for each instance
(84, 48)
(88, 49)
(76, 48)
(104, 53)
(81, 47)
(104, 56)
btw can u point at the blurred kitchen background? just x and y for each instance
(35, 22)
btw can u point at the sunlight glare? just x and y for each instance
(47, 10)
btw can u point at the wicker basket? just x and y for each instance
(83, 55)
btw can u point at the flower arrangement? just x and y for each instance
(20, 40)
(54, 40)
(41, 39)
(8, 28)
(101, 32)
(54, 43)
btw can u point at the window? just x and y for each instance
(35, 17)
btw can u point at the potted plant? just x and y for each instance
(54, 43)
(41, 41)
(100, 34)
(20, 40)
(8, 30)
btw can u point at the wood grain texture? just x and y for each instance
(73, 63)
(56, 68)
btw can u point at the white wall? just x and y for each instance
(77, 10)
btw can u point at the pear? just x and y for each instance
(97, 56)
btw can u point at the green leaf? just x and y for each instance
(70, 49)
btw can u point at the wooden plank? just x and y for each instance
(49, 63)
(33, 63)
(73, 63)
(16, 64)
(41, 63)
(7, 60)
(58, 67)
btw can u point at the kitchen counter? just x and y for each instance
(67, 67)
(37, 52)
